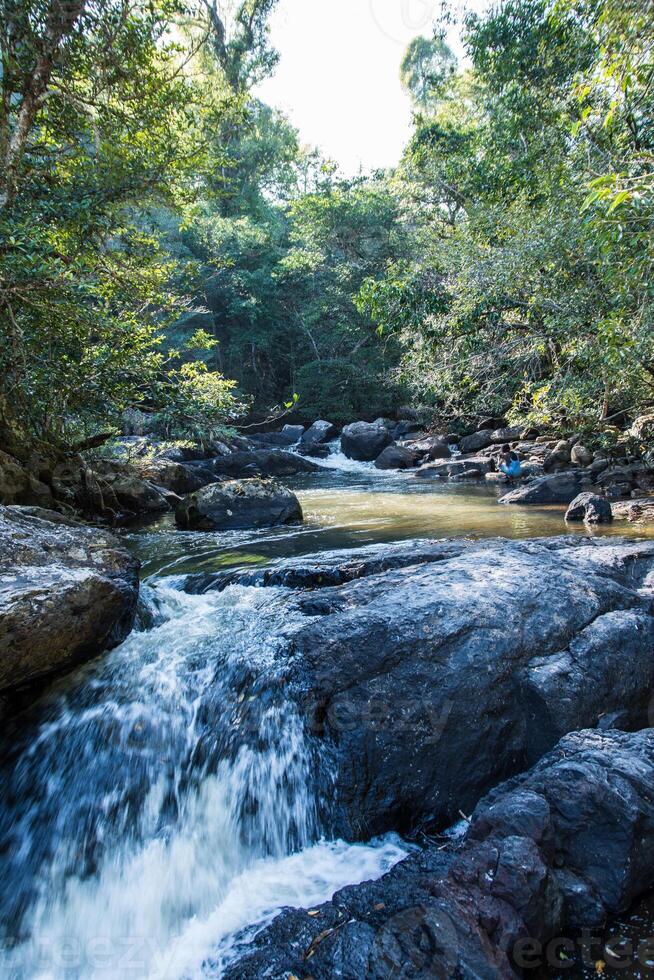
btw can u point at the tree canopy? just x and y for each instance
(167, 242)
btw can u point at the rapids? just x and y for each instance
(162, 803)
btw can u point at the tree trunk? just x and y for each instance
(62, 18)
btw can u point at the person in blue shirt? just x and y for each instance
(510, 464)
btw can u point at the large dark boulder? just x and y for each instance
(507, 434)
(364, 441)
(560, 488)
(479, 440)
(67, 592)
(20, 486)
(590, 508)
(260, 463)
(236, 504)
(123, 486)
(296, 431)
(553, 850)
(174, 476)
(433, 447)
(330, 567)
(318, 434)
(406, 427)
(397, 458)
(431, 683)
(273, 440)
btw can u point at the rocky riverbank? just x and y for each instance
(67, 592)
(433, 673)
(425, 674)
(433, 670)
(546, 854)
(140, 476)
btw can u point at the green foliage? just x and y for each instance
(528, 188)
(196, 402)
(98, 116)
(341, 391)
(427, 66)
(162, 230)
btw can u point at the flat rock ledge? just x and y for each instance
(67, 592)
(547, 853)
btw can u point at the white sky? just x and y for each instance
(338, 78)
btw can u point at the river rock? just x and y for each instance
(421, 679)
(175, 476)
(556, 461)
(134, 494)
(239, 504)
(67, 592)
(508, 434)
(296, 431)
(580, 455)
(364, 441)
(260, 463)
(405, 428)
(474, 466)
(397, 458)
(318, 434)
(273, 440)
(479, 440)
(599, 464)
(553, 850)
(434, 447)
(641, 509)
(559, 488)
(330, 567)
(20, 486)
(590, 508)
(644, 480)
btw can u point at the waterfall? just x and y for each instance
(165, 798)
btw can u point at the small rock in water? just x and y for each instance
(233, 505)
(590, 508)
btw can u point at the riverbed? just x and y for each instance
(156, 810)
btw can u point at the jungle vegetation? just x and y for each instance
(167, 243)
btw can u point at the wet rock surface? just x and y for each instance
(634, 510)
(316, 436)
(470, 467)
(365, 441)
(259, 463)
(556, 848)
(460, 664)
(560, 488)
(67, 592)
(330, 568)
(396, 458)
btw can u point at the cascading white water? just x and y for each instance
(164, 800)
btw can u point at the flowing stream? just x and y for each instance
(161, 804)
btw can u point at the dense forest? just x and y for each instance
(168, 245)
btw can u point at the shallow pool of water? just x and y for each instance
(350, 504)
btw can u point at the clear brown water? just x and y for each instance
(350, 505)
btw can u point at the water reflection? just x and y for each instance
(347, 508)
